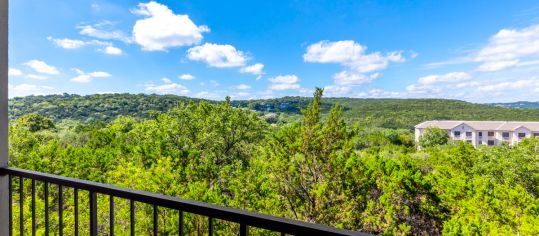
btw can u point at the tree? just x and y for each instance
(433, 137)
(35, 122)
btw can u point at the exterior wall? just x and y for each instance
(464, 129)
(477, 140)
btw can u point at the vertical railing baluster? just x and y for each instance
(132, 216)
(33, 207)
(76, 203)
(60, 211)
(46, 186)
(21, 206)
(111, 216)
(283, 234)
(181, 223)
(10, 180)
(155, 221)
(210, 226)
(244, 230)
(93, 213)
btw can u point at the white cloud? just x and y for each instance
(168, 87)
(83, 77)
(28, 89)
(37, 77)
(351, 78)
(528, 84)
(214, 83)
(13, 72)
(42, 67)
(186, 77)
(67, 43)
(508, 47)
(336, 90)
(447, 78)
(255, 69)
(217, 55)
(162, 29)
(379, 93)
(104, 30)
(360, 67)
(111, 50)
(284, 82)
(242, 86)
(99, 74)
(351, 55)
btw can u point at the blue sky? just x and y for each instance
(480, 51)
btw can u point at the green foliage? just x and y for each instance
(315, 167)
(433, 137)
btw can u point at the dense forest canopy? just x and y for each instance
(353, 165)
(386, 113)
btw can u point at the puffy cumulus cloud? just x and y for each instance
(445, 78)
(508, 48)
(242, 86)
(360, 67)
(350, 54)
(14, 72)
(255, 69)
(168, 87)
(284, 82)
(42, 67)
(186, 77)
(83, 77)
(29, 89)
(104, 30)
(162, 29)
(111, 50)
(217, 55)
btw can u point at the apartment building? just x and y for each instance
(477, 133)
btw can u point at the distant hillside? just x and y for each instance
(389, 113)
(523, 104)
(102, 107)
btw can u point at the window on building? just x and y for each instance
(535, 134)
(480, 134)
(456, 133)
(521, 135)
(491, 134)
(468, 134)
(505, 135)
(491, 142)
(480, 142)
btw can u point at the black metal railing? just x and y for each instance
(245, 219)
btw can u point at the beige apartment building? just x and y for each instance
(477, 133)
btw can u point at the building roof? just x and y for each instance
(481, 125)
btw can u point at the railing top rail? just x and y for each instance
(254, 219)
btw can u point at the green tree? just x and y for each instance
(433, 137)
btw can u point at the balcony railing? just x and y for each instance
(245, 219)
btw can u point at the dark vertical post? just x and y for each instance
(4, 152)
(132, 216)
(76, 203)
(111, 216)
(210, 226)
(244, 230)
(46, 190)
(60, 211)
(93, 213)
(21, 206)
(33, 207)
(181, 223)
(155, 221)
